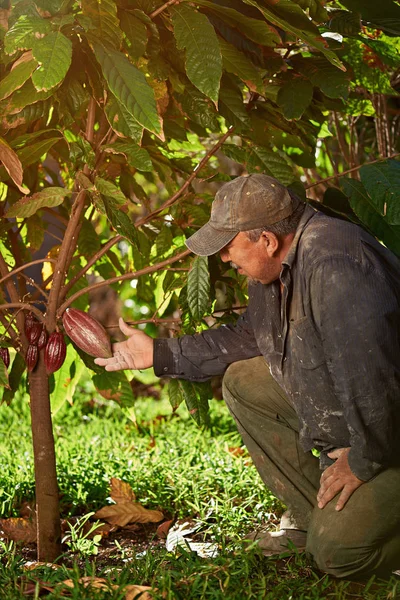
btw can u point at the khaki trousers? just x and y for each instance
(361, 540)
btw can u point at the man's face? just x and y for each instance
(253, 259)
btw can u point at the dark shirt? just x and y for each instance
(331, 340)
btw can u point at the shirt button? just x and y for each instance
(165, 369)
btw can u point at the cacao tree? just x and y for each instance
(119, 120)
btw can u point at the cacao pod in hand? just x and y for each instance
(33, 328)
(5, 356)
(87, 333)
(41, 343)
(55, 351)
(31, 357)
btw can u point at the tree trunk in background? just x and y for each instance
(47, 497)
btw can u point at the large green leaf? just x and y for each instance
(313, 39)
(192, 401)
(136, 32)
(237, 63)
(198, 293)
(372, 215)
(114, 386)
(28, 206)
(136, 156)
(21, 98)
(107, 188)
(265, 160)
(32, 154)
(12, 164)
(111, 201)
(316, 11)
(65, 380)
(382, 182)
(122, 121)
(16, 78)
(334, 83)
(103, 16)
(130, 87)
(195, 34)
(294, 97)
(35, 229)
(231, 104)
(54, 55)
(255, 29)
(175, 395)
(25, 32)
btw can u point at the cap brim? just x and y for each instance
(208, 240)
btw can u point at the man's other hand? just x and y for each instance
(338, 477)
(136, 352)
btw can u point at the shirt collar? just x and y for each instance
(290, 257)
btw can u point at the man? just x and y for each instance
(314, 365)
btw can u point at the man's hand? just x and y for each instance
(134, 353)
(338, 477)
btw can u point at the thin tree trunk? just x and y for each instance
(47, 498)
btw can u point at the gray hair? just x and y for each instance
(284, 227)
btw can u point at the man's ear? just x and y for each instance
(271, 243)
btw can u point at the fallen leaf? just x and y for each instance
(121, 491)
(133, 591)
(162, 530)
(35, 564)
(19, 529)
(128, 512)
(236, 451)
(95, 582)
(35, 588)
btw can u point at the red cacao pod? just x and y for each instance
(33, 328)
(31, 357)
(55, 351)
(87, 333)
(42, 341)
(5, 356)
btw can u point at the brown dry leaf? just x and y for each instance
(133, 591)
(19, 529)
(95, 582)
(121, 491)
(35, 588)
(30, 566)
(128, 512)
(162, 530)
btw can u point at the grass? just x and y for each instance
(173, 466)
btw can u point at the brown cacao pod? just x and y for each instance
(42, 341)
(33, 328)
(55, 351)
(87, 333)
(5, 356)
(31, 357)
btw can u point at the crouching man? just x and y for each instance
(313, 363)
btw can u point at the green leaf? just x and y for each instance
(192, 402)
(65, 380)
(12, 165)
(16, 78)
(114, 386)
(111, 201)
(34, 233)
(382, 182)
(331, 81)
(237, 63)
(372, 216)
(4, 375)
(255, 29)
(344, 22)
(387, 52)
(294, 97)
(28, 206)
(314, 40)
(198, 293)
(194, 33)
(136, 32)
(264, 160)
(130, 87)
(32, 154)
(88, 242)
(136, 156)
(103, 15)
(198, 108)
(25, 32)
(107, 188)
(231, 104)
(14, 378)
(54, 55)
(21, 98)
(122, 121)
(175, 395)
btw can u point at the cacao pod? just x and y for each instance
(31, 357)
(33, 328)
(55, 351)
(87, 333)
(41, 343)
(5, 356)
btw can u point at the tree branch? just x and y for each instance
(160, 9)
(350, 170)
(22, 267)
(23, 305)
(125, 277)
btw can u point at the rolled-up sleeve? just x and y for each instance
(356, 310)
(201, 356)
